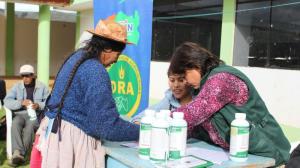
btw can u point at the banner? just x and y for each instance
(130, 75)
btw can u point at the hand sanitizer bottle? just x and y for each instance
(168, 115)
(159, 148)
(145, 134)
(239, 138)
(178, 136)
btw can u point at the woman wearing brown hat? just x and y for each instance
(83, 106)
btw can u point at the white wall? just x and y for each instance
(86, 22)
(278, 88)
(25, 51)
(158, 79)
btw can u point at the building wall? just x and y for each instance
(86, 22)
(62, 43)
(241, 46)
(278, 88)
(25, 49)
(2, 44)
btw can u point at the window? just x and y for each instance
(267, 34)
(175, 22)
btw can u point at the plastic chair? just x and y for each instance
(8, 132)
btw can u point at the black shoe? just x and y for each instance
(17, 159)
(11, 164)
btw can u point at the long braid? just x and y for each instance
(72, 74)
(92, 50)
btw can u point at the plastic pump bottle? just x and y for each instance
(145, 134)
(239, 138)
(159, 148)
(178, 136)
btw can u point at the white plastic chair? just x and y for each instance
(8, 132)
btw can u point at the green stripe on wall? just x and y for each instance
(292, 133)
(10, 30)
(227, 34)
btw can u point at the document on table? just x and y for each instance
(214, 156)
(188, 162)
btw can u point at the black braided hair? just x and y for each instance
(92, 49)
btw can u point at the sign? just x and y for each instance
(130, 75)
(126, 85)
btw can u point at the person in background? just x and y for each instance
(2, 111)
(29, 93)
(294, 161)
(2, 91)
(82, 104)
(177, 95)
(224, 91)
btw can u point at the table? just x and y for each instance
(124, 157)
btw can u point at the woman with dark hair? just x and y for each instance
(81, 110)
(224, 91)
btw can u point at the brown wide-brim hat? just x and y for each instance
(110, 29)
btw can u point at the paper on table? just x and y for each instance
(188, 162)
(211, 155)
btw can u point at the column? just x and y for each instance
(77, 35)
(44, 44)
(9, 39)
(227, 34)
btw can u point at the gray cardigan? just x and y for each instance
(15, 96)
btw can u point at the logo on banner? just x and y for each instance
(132, 23)
(126, 85)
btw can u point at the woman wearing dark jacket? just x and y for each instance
(224, 91)
(83, 105)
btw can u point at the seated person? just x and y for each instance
(2, 91)
(29, 93)
(177, 95)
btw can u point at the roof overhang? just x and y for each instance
(58, 3)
